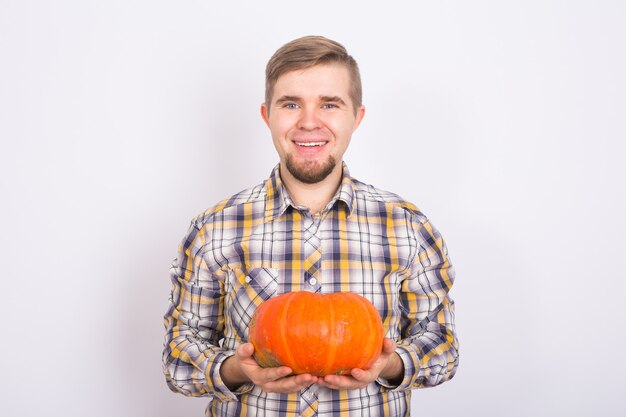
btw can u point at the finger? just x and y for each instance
(331, 380)
(361, 375)
(273, 374)
(306, 379)
(341, 382)
(245, 350)
(290, 384)
(261, 376)
(389, 346)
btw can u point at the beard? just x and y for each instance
(310, 172)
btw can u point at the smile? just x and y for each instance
(310, 144)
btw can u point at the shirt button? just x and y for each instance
(312, 281)
(248, 279)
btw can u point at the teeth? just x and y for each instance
(310, 143)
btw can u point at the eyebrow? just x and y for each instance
(332, 99)
(285, 99)
(325, 99)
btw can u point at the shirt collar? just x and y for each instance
(278, 199)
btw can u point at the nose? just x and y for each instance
(309, 119)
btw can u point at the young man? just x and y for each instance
(309, 227)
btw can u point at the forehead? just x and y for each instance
(318, 80)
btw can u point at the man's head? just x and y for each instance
(312, 107)
(307, 52)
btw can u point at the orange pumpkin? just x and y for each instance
(317, 334)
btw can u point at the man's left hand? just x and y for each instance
(388, 366)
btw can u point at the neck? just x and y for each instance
(316, 196)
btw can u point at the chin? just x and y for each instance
(310, 173)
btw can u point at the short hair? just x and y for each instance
(307, 52)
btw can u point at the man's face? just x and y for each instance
(312, 119)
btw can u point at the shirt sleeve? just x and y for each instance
(194, 324)
(429, 345)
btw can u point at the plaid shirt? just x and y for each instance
(258, 244)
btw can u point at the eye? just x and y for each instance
(329, 106)
(290, 106)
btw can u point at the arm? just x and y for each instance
(194, 323)
(429, 346)
(193, 361)
(427, 354)
(242, 368)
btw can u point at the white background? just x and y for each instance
(504, 121)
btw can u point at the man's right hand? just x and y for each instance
(242, 368)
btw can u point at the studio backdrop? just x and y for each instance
(503, 121)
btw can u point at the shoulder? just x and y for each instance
(367, 194)
(252, 195)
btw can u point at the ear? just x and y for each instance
(360, 113)
(265, 114)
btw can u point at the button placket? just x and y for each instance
(310, 392)
(311, 244)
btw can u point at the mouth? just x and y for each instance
(310, 144)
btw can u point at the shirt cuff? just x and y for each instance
(410, 359)
(215, 382)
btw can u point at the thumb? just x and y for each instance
(389, 346)
(245, 351)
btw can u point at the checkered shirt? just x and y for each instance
(258, 244)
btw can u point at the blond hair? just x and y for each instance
(307, 52)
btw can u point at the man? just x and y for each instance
(309, 227)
